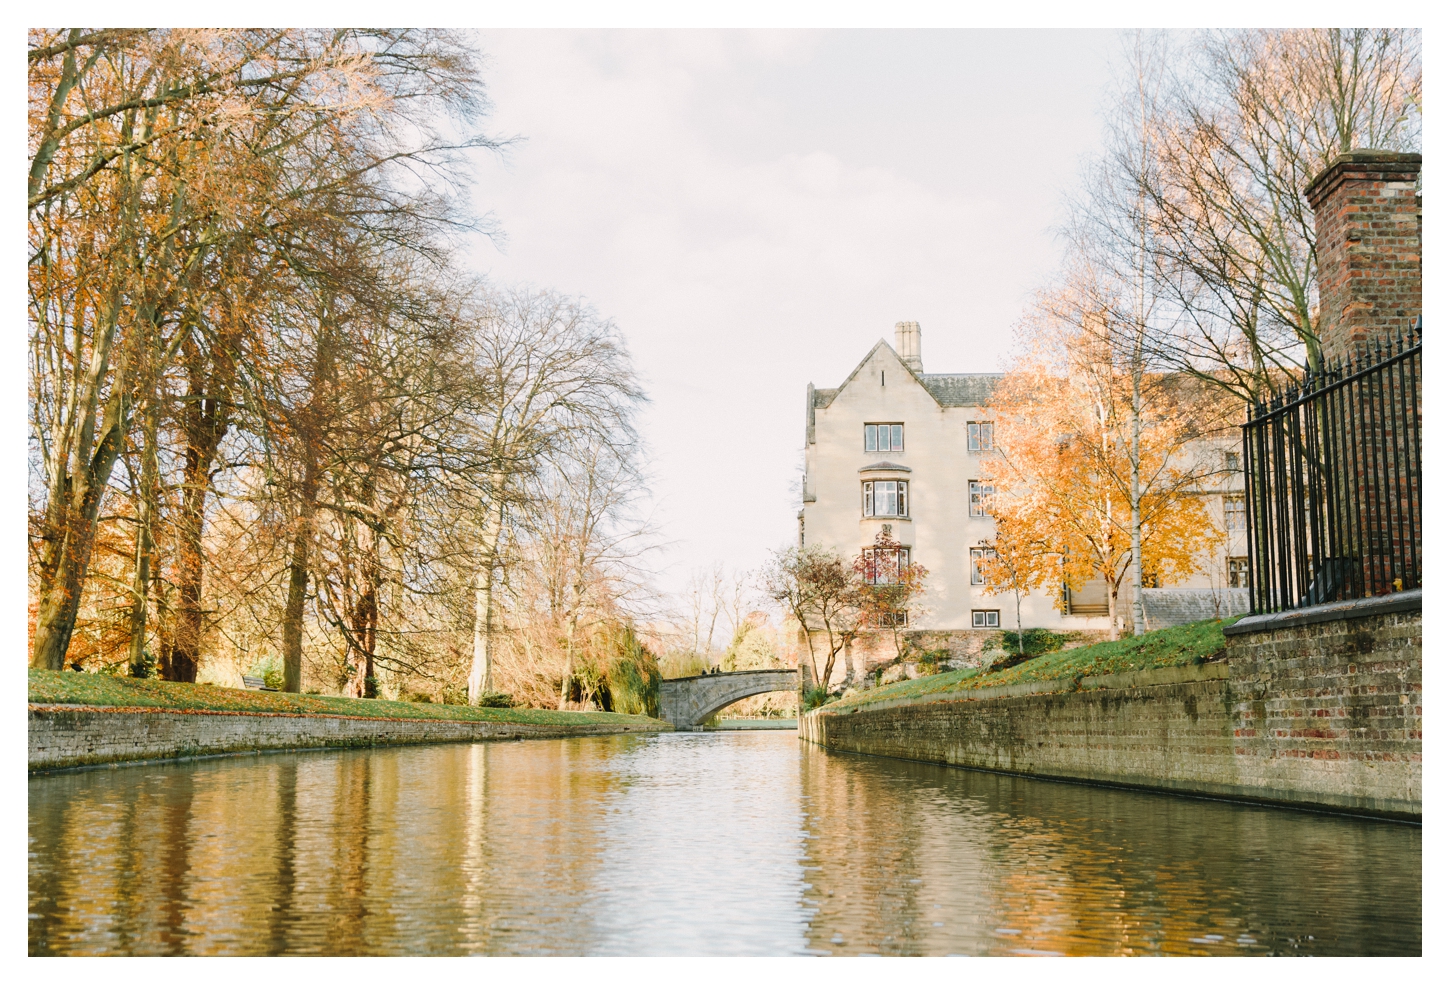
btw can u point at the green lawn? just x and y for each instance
(1193, 643)
(49, 687)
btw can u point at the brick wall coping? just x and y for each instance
(1387, 165)
(1328, 612)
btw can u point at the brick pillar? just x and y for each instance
(1367, 224)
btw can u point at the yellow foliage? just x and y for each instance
(1062, 475)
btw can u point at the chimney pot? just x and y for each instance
(908, 344)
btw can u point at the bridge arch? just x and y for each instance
(688, 701)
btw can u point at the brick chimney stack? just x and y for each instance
(908, 344)
(1367, 226)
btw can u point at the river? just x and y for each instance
(709, 843)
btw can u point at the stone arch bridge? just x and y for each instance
(687, 701)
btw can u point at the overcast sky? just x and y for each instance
(755, 210)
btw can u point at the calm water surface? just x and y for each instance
(687, 843)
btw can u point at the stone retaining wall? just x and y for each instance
(1324, 714)
(66, 735)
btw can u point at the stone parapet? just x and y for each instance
(63, 736)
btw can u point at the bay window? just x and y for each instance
(883, 497)
(884, 566)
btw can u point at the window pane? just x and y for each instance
(896, 437)
(888, 490)
(901, 498)
(991, 619)
(987, 437)
(973, 438)
(977, 620)
(866, 500)
(883, 437)
(870, 437)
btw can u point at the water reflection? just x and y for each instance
(710, 843)
(985, 864)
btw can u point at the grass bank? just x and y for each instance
(1195, 642)
(49, 687)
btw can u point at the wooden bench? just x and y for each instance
(255, 684)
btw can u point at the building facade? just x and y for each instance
(894, 446)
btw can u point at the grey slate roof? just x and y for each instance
(947, 389)
(960, 389)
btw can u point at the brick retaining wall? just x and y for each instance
(65, 736)
(1325, 714)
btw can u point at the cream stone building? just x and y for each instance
(898, 447)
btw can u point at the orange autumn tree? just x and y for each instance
(1062, 472)
(1014, 561)
(891, 586)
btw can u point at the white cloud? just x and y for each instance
(703, 189)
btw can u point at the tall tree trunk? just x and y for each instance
(363, 613)
(480, 675)
(70, 534)
(1113, 610)
(565, 684)
(1021, 650)
(205, 424)
(309, 432)
(1135, 495)
(298, 569)
(1135, 491)
(145, 518)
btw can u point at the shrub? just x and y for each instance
(932, 661)
(815, 697)
(1034, 641)
(632, 675)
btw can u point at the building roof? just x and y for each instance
(960, 389)
(947, 389)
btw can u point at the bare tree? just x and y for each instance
(824, 596)
(547, 371)
(160, 161)
(1242, 123)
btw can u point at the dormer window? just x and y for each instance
(883, 498)
(884, 437)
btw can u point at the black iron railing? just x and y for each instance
(1333, 482)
